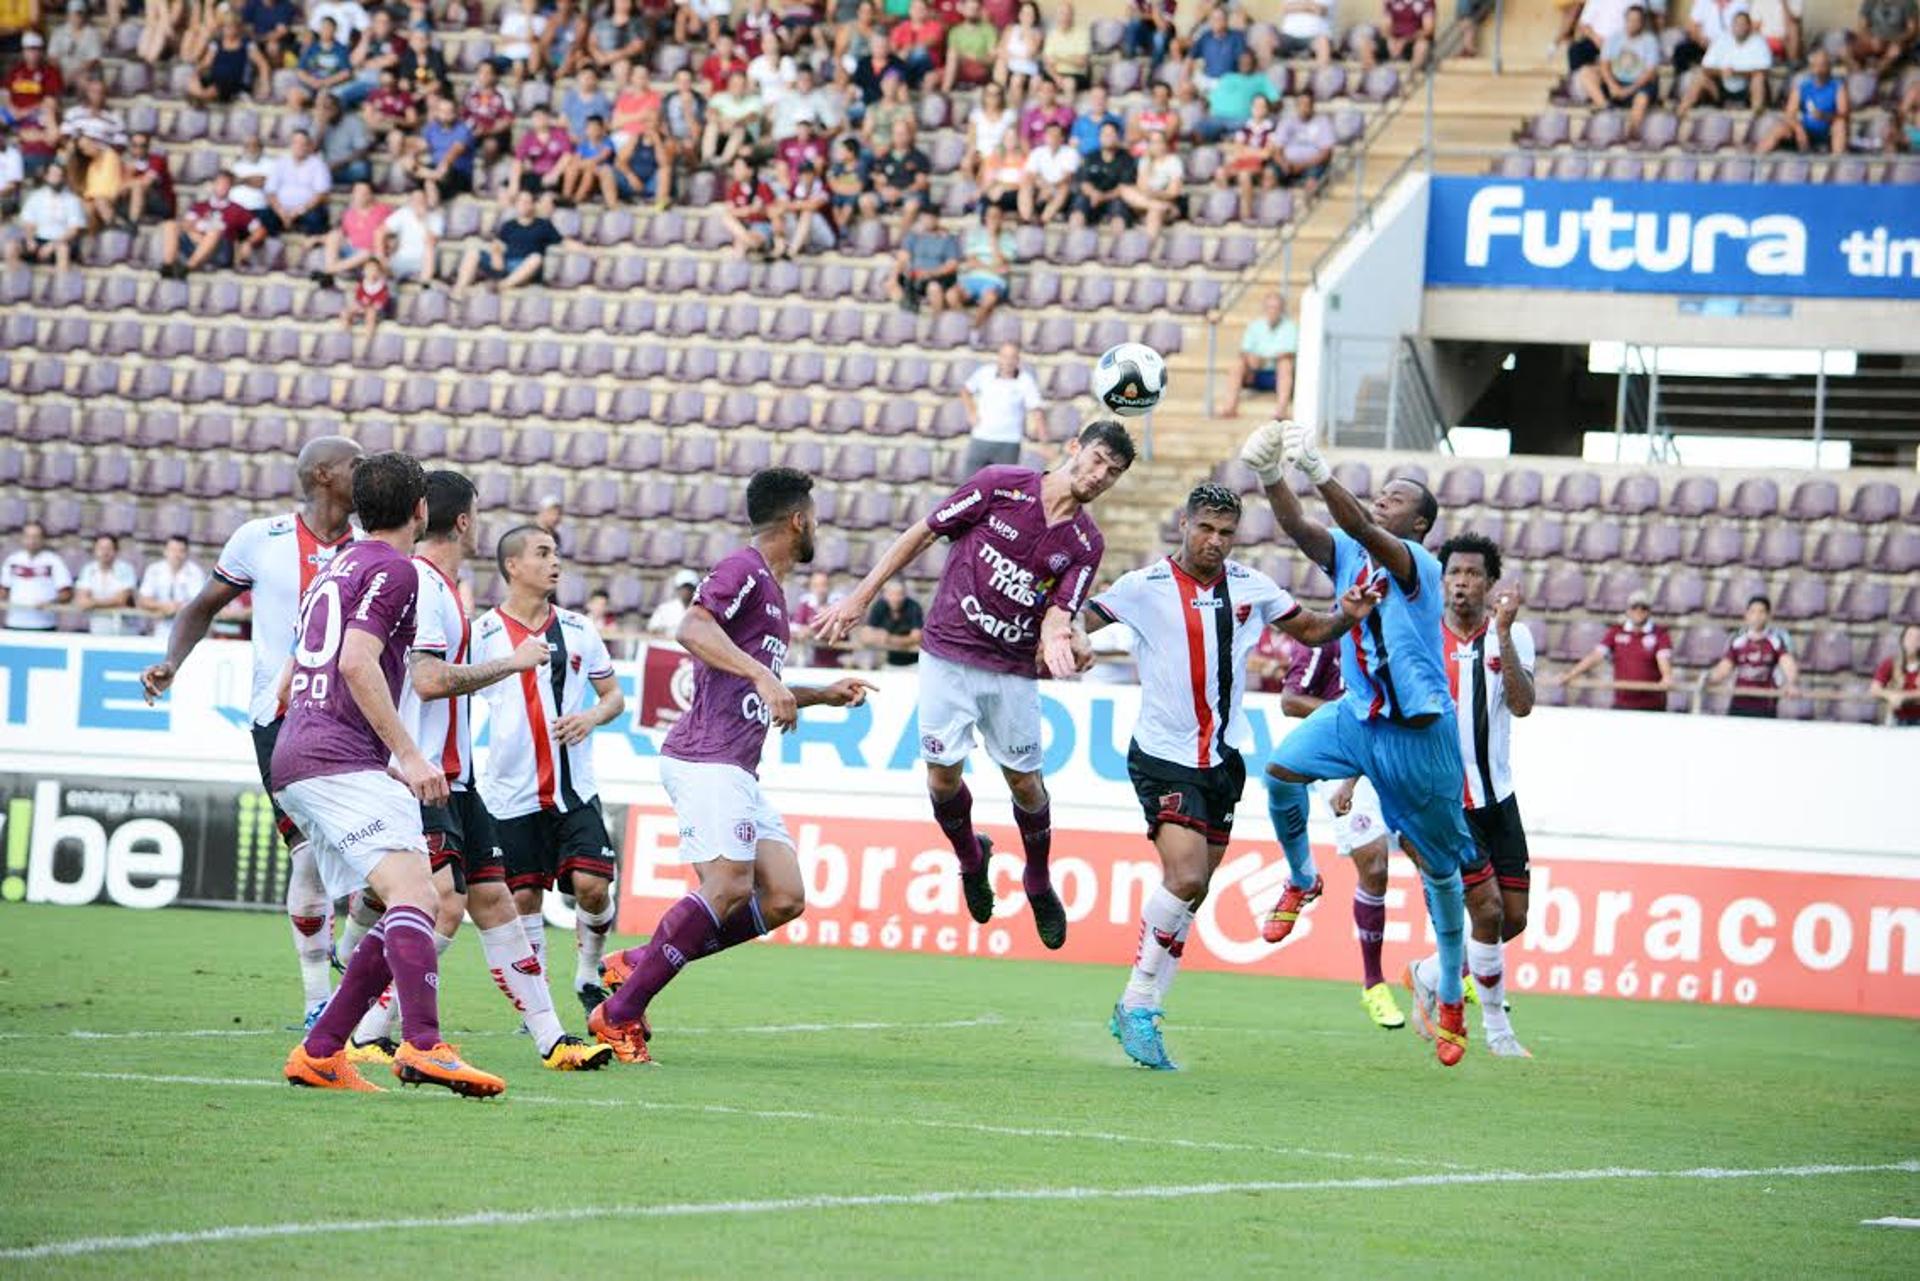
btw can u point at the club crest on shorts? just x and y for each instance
(743, 832)
(932, 744)
(1173, 803)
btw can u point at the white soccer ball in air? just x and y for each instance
(1130, 379)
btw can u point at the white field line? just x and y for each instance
(790, 1114)
(763, 1029)
(1891, 1221)
(787, 1205)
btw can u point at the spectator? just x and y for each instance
(371, 300)
(1886, 31)
(896, 106)
(692, 17)
(1707, 21)
(1231, 97)
(13, 171)
(1004, 407)
(392, 111)
(720, 66)
(549, 515)
(1150, 34)
(1408, 34)
(1306, 26)
(1268, 351)
(1594, 25)
(488, 111)
(643, 160)
(75, 43)
(1045, 109)
(1905, 135)
(356, 241)
(521, 25)
(1304, 144)
(733, 119)
(566, 47)
(31, 579)
(619, 36)
(93, 135)
(441, 158)
(539, 159)
(920, 43)
(297, 190)
(666, 616)
(802, 213)
(1760, 657)
(805, 148)
(771, 73)
(970, 50)
(846, 182)
(1627, 72)
(873, 74)
(1085, 134)
(169, 584)
(34, 86)
(105, 587)
(806, 100)
(1049, 179)
(748, 215)
(217, 230)
(987, 256)
(1896, 680)
(893, 625)
(1102, 175)
(1733, 74)
(757, 29)
(275, 27)
(146, 193)
(345, 142)
(325, 64)
(685, 112)
(250, 173)
(1017, 61)
(349, 18)
(1249, 155)
(51, 222)
(1067, 52)
(599, 611)
(381, 49)
(410, 238)
(1157, 192)
(902, 176)
(1215, 51)
(1818, 111)
(516, 252)
(422, 67)
(819, 595)
(989, 122)
(926, 265)
(590, 168)
(1779, 21)
(1159, 116)
(1642, 654)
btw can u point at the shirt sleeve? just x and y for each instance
(594, 658)
(386, 602)
(239, 559)
(1076, 580)
(1121, 603)
(1662, 643)
(966, 506)
(150, 581)
(723, 591)
(1884, 672)
(429, 627)
(62, 576)
(1030, 392)
(1275, 603)
(1523, 646)
(1304, 668)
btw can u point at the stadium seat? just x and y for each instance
(1814, 500)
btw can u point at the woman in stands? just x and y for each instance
(1158, 192)
(987, 125)
(1897, 680)
(855, 41)
(1019, 58)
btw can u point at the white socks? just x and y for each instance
(590, 937)
(360, 918)
(522, 977)
(1164, 923)
(534, 926)
(310, 916)
(1488, 970)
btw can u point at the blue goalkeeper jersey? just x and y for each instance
(1393, 663)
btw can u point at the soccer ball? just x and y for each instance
(1130, 379)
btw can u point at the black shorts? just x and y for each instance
(1502, 842)
(1200, 799)
(264, 737)
(460, 836)
(545, 848)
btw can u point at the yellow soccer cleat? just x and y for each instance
(571, 1054)
(334, 1072)
(443, 1066)
(1381, 1007)
(379, 1050)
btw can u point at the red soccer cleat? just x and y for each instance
(1450, 1033)
(1293, 901)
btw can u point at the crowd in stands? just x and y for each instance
(106, 593)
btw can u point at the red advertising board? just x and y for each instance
(1641, 930)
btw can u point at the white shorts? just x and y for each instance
(955, 698)
(1361, 824)
(722, 812)
(354, 821)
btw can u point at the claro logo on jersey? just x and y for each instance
(72, 859)
(966, 503)
(1617, 239)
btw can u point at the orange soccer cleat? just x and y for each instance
(614, 970)
(443, 1066)
(1293, 901)
(628, 1040)
(1450, 1033)
(335, 1072)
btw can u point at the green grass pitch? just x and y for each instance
(848, 1115)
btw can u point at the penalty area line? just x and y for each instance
(1890, 1221)
(787, 1205)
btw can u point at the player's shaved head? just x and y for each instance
(518, 542)
(318, 457)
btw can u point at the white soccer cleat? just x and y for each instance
(1505, 1045)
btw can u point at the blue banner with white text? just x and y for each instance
(1853, 241)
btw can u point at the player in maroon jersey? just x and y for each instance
(1759, 656)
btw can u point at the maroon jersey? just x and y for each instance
(1756, 665)
(1635, 652)
(727, 722)
(1315, 670)
(1007, 565)
(369, 588)
(1895, 674)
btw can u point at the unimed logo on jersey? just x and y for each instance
(958, 505)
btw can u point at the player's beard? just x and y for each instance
(803, 554)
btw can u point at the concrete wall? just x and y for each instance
(1571, 316)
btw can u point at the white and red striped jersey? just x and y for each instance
(1486, 724)
(276, 558)
(442, 728)
(1193, 640)
(526, 768)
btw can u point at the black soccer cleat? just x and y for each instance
(1049, 919)
(977, 886)
(591, 996)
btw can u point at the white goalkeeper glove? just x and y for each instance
(1261, 452)
(1300, 447)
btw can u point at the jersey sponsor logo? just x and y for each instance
(1013, 631)
(773, 610)
(1009, 579)
(359, 834)
(1003, 529)
(970, 500)
(777, 648)
(740, 597)
(1200, 601)
(1086, 543)
(1011, 495)
(373, 589)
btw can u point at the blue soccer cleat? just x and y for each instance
(1138, 1031)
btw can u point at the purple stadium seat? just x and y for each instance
(1658, 543)
(1699, 646)
(853, 373)
(637, 451)
(688, 405)
(577, 402)
(1909, 608)
(1519, 488)
(1694, 496)
(1898, 552)
(1604, 129)
(1563, 588)
(1597, 542)
(854, 461)
(1615, 588)
(689, 317)
(752, 364)
(630, 404)
(1576, 491)
(1838, 550)
(1814, 500)
(487, 355)
(1830, 651)
(1803, 597)
(1863, 600)
(1731, 600)
(910, 464)
(1715, 546)
(1874, 502)
(897, 418)
(593, 359)
(735, 409)
(1779, 547)
(1462, 486)
(1755, 499)
(696, 364)
(1540, 538)
(843, 414)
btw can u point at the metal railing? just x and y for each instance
(1695, 692)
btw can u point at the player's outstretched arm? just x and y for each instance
(1315, 630)
(1300, 449)
(189, 627)
(1261, 452)
(701, 635)
(437, 678)
(848, 691)
(837, 621)
(360, 669)
(1061, 649)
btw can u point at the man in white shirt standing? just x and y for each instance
(105, 587)
(1003, 405)
(665, 619)
(1733, 74)
(31, 579)
(170, 583)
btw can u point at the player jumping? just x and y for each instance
(538, 782)
(1025, 550)
(1490, 670)
(1196, 618)
(1359, 833)
(468, 871)
(354, 782)
(738, 631)
(277, 558)
(1395, 723)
